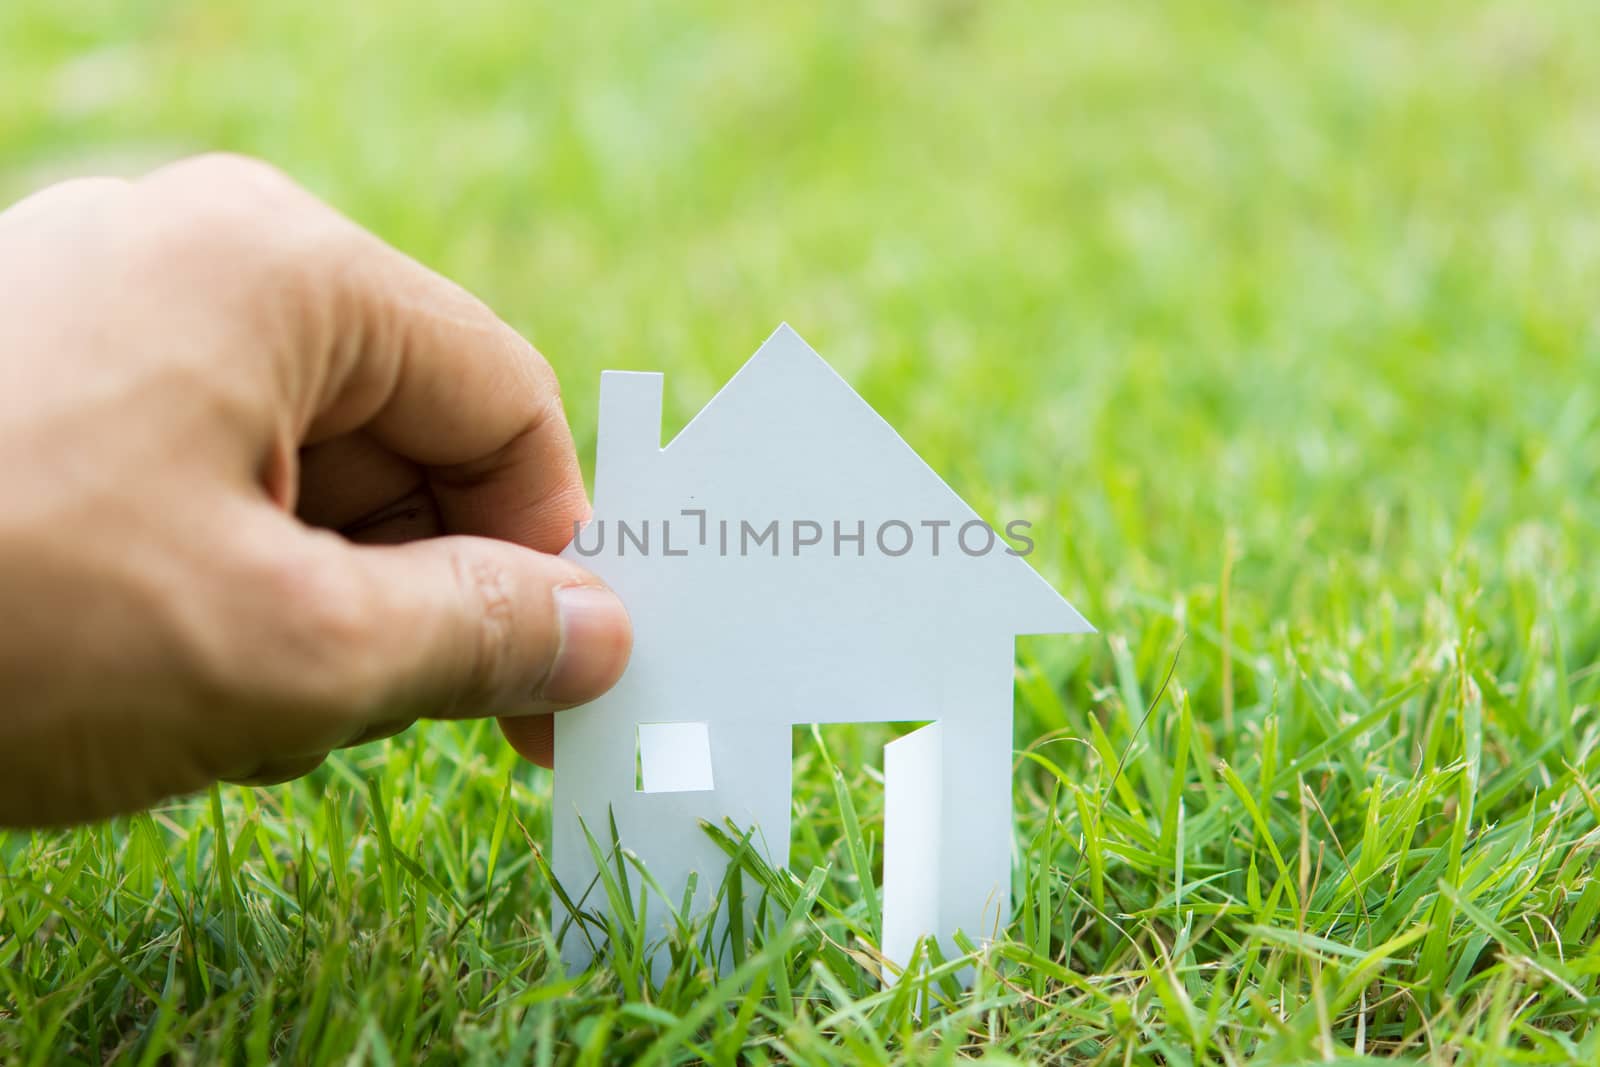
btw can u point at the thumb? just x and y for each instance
(469, 626)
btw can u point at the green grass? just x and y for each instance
(1279, 321)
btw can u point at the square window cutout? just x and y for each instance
(674, 757)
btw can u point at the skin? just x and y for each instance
(267, 488)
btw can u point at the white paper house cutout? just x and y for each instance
(745, 632)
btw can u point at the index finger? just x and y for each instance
(435, 376)
(386, 345)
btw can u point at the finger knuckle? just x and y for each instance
(233, 174)
(241, 213)
(488, 597)
(225, 196)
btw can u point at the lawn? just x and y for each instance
(1278, 321)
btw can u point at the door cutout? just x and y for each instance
(857, 749)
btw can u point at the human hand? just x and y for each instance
(207, 375)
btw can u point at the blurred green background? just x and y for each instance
(1178, 268)
(1278, 320)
